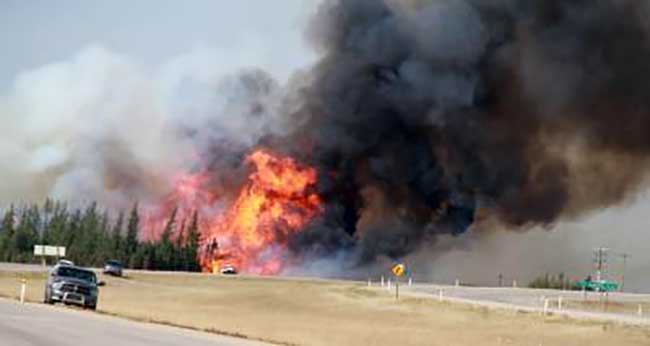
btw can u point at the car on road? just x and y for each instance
(66, 262)
(72, 285)
(114, 268)
(228, 270)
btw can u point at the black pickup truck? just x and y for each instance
(72, 285)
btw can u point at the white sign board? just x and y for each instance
(55, 251)
(47, 250)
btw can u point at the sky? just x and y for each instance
(34, 33)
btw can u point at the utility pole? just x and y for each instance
(600, 262)
(625, 256)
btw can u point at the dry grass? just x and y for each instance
(316, 312)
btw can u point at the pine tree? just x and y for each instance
(192, 244)
(56, 226)
(117, 250)
(131, 243)
(71, 235)
(8, 230)
(48, 210)
(26, 235)
(165, 252)
(139, 257)
(105, 248)
(148, 252)
(85, 247)
(181, 260)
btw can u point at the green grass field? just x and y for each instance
(316, 312)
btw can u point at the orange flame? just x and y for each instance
(189, 194)
(252, 235)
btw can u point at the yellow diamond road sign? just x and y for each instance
(399, 269)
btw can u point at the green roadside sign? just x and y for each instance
(601, 286)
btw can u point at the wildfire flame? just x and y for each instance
(189, 194)
(251, 233)
(277, 201)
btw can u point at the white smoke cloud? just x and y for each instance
(101, 126)
(204, 87)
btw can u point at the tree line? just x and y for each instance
(92, 237)
(556, 282)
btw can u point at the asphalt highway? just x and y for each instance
(532, 300)
(41, 325)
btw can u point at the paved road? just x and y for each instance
(524, 296)
(533, 300)
(38, 325)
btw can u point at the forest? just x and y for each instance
(92, 236)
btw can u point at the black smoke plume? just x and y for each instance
(425, 116)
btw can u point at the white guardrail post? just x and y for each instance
(23, 289)
(545, 312)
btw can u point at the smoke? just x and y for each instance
(440, 115)
(479, 258)
(64, 128)
(424, 118)
(102, 127)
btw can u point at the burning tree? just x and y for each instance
(276, 201)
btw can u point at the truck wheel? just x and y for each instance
(92, 307)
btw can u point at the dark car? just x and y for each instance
(113, 268)
(72, 285)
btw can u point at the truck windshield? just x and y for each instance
(76, 273)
